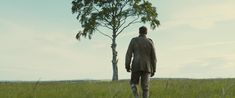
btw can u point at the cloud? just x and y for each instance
(202, 16)
(48, 52)
(204, 45)
(210, 67)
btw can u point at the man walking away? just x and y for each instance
(142, 54)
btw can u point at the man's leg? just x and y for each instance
(145, 79)
(135, 90)
(134, 82)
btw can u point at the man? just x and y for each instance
(143, 64)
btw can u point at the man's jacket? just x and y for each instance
(141, 49)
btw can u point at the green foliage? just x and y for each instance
(112, 14)
(161, 88)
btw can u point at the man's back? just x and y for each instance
(143, 54)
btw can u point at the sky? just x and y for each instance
(37, 41)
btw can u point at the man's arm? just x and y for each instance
(129, 55)
(153, 59)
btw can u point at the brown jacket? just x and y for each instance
(143, 53)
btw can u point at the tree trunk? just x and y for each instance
(114, 60)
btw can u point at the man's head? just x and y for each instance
(143, 30)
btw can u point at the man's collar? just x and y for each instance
(142, 35)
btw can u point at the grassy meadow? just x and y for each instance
(160, 88)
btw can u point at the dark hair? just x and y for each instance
(143, 30)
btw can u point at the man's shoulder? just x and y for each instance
(150, 39)
(134, 38)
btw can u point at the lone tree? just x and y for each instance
(115, 15)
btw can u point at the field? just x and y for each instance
(160, 88)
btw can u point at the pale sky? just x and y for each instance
(196, 39)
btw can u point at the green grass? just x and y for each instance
(160, 88)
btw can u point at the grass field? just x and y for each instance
(160, 88)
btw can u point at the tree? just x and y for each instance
(115, 15)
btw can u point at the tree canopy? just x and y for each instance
(112, 14)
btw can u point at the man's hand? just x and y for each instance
(128, 69)
(152, 74)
